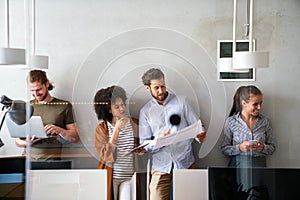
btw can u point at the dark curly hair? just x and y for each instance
(104, 98)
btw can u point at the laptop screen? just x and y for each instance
(34, 126)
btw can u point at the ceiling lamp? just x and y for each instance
(251, 58)
(10, 56)
(35, 61)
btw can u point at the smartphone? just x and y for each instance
(253, 142)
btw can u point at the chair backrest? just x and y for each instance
(190, 184)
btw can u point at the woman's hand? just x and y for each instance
(257, 147)
(139, 151)
(247, 146)
(121, 122)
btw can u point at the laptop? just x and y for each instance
(33, 127)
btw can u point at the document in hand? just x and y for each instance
(183, 134)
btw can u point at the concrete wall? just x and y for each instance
(93, 44)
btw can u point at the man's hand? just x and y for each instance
(201, 136)
(51, 129)
(165, 133)
(22, 142)
(33, 139)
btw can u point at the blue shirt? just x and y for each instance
(154, 119)
(236, 132)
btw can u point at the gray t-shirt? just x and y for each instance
(57, 112)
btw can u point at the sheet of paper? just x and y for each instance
(183, 134)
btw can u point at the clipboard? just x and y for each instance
(33, 127)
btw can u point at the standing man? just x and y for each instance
(57, 117)
(165, 114)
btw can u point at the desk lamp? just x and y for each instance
(16, 110)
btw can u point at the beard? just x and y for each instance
(41, 98)
(160, 97)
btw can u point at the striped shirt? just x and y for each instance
(236, 132)
(123, 165)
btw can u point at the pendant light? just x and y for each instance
(10, 56)
(36, 61)
(247, 59)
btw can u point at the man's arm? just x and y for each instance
(70, 133)
(20, 142)
(191, 117)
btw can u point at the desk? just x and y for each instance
(80, 157)
(12, 170)
(12, 177)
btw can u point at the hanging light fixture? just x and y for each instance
(10, 56)
(251, 58)
(35, 61)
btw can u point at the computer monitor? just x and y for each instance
(12, 174)
(253, 183)
(51, 164)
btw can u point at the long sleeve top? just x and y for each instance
(155, 119)
(236, 132)
(107, 154)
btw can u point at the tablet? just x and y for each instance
(139, 147)
(33, 127)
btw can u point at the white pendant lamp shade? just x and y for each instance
(12, 56)
(226, 65)
(36, 61)
(246, 59)
(39, 61)
(251, 58)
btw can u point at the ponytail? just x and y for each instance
(236, 105)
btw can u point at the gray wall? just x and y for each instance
(94, 44)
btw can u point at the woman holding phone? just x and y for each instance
(248, 137)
